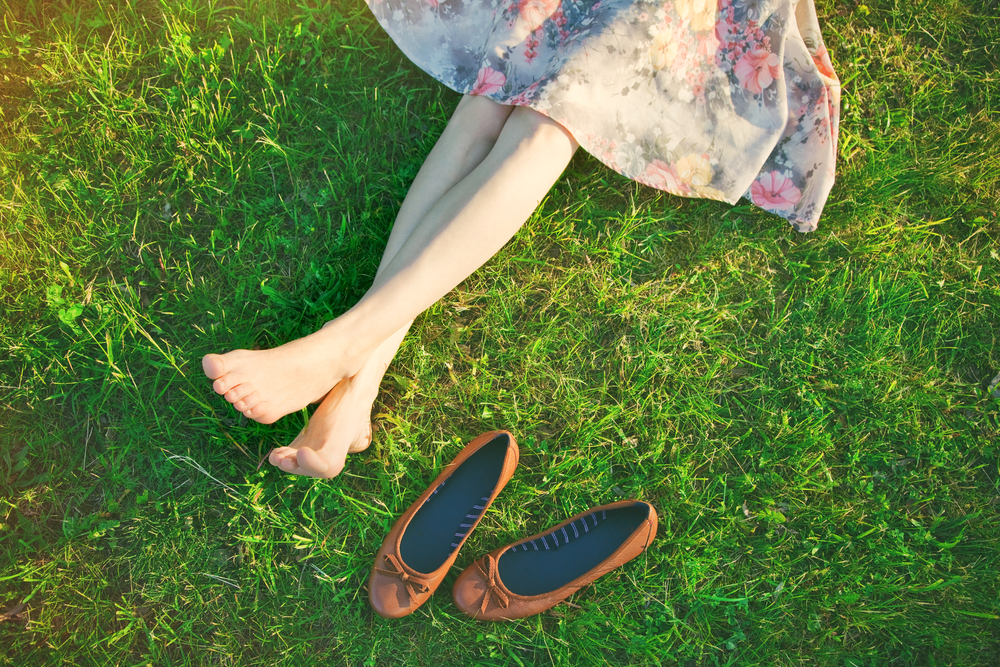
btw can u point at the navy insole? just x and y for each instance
(553, 560)
(438, 525)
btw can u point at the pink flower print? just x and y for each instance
(524, 98)
(695, 77)
(682, 58)
(775, 192)
(822, 60)
(531, 47)
(757, 69)
(725, 32)
(708, 45)
(433, 3)
(661, 175)
(600, 147)
(488, 81)
(534, 12)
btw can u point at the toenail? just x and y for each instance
(238, 405)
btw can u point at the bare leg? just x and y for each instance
(466, 227)
(459, 233)
(255, 382)
(320, 450)
(343, 421)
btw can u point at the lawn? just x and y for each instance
(815, 417)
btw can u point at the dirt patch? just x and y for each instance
(14, 89)
(14, 613)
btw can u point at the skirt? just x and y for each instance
(719, 99)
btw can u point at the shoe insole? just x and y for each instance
(558, 557)
(447, 515)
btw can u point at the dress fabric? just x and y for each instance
(701, 98)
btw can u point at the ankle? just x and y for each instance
(342, 335)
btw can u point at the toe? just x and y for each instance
(288, 461)
(311, 463)
(468, 591)
(223, 384)
(278, 454)
(239, 391)
(250, 413)
(213, 365)
(260, 414)
(248, 402)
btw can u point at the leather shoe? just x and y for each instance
(424, 542)
(538, 572)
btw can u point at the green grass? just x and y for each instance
(810, 414)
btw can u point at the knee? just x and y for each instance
(537, 129)
(481, 117)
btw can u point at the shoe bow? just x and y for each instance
(414, 586)
(492, 584)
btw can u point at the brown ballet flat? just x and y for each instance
(539, 572)
(424, 542)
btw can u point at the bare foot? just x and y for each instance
(340, 426)
(342, 423)
(266, 385)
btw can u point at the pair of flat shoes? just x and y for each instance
(515, 581)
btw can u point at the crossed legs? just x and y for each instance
(489, 170)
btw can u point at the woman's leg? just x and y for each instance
(458, 234)
(531, 148)
(249, 379)
(343, 421)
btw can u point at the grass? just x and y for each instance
(810, 414)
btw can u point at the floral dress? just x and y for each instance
(702, 98)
